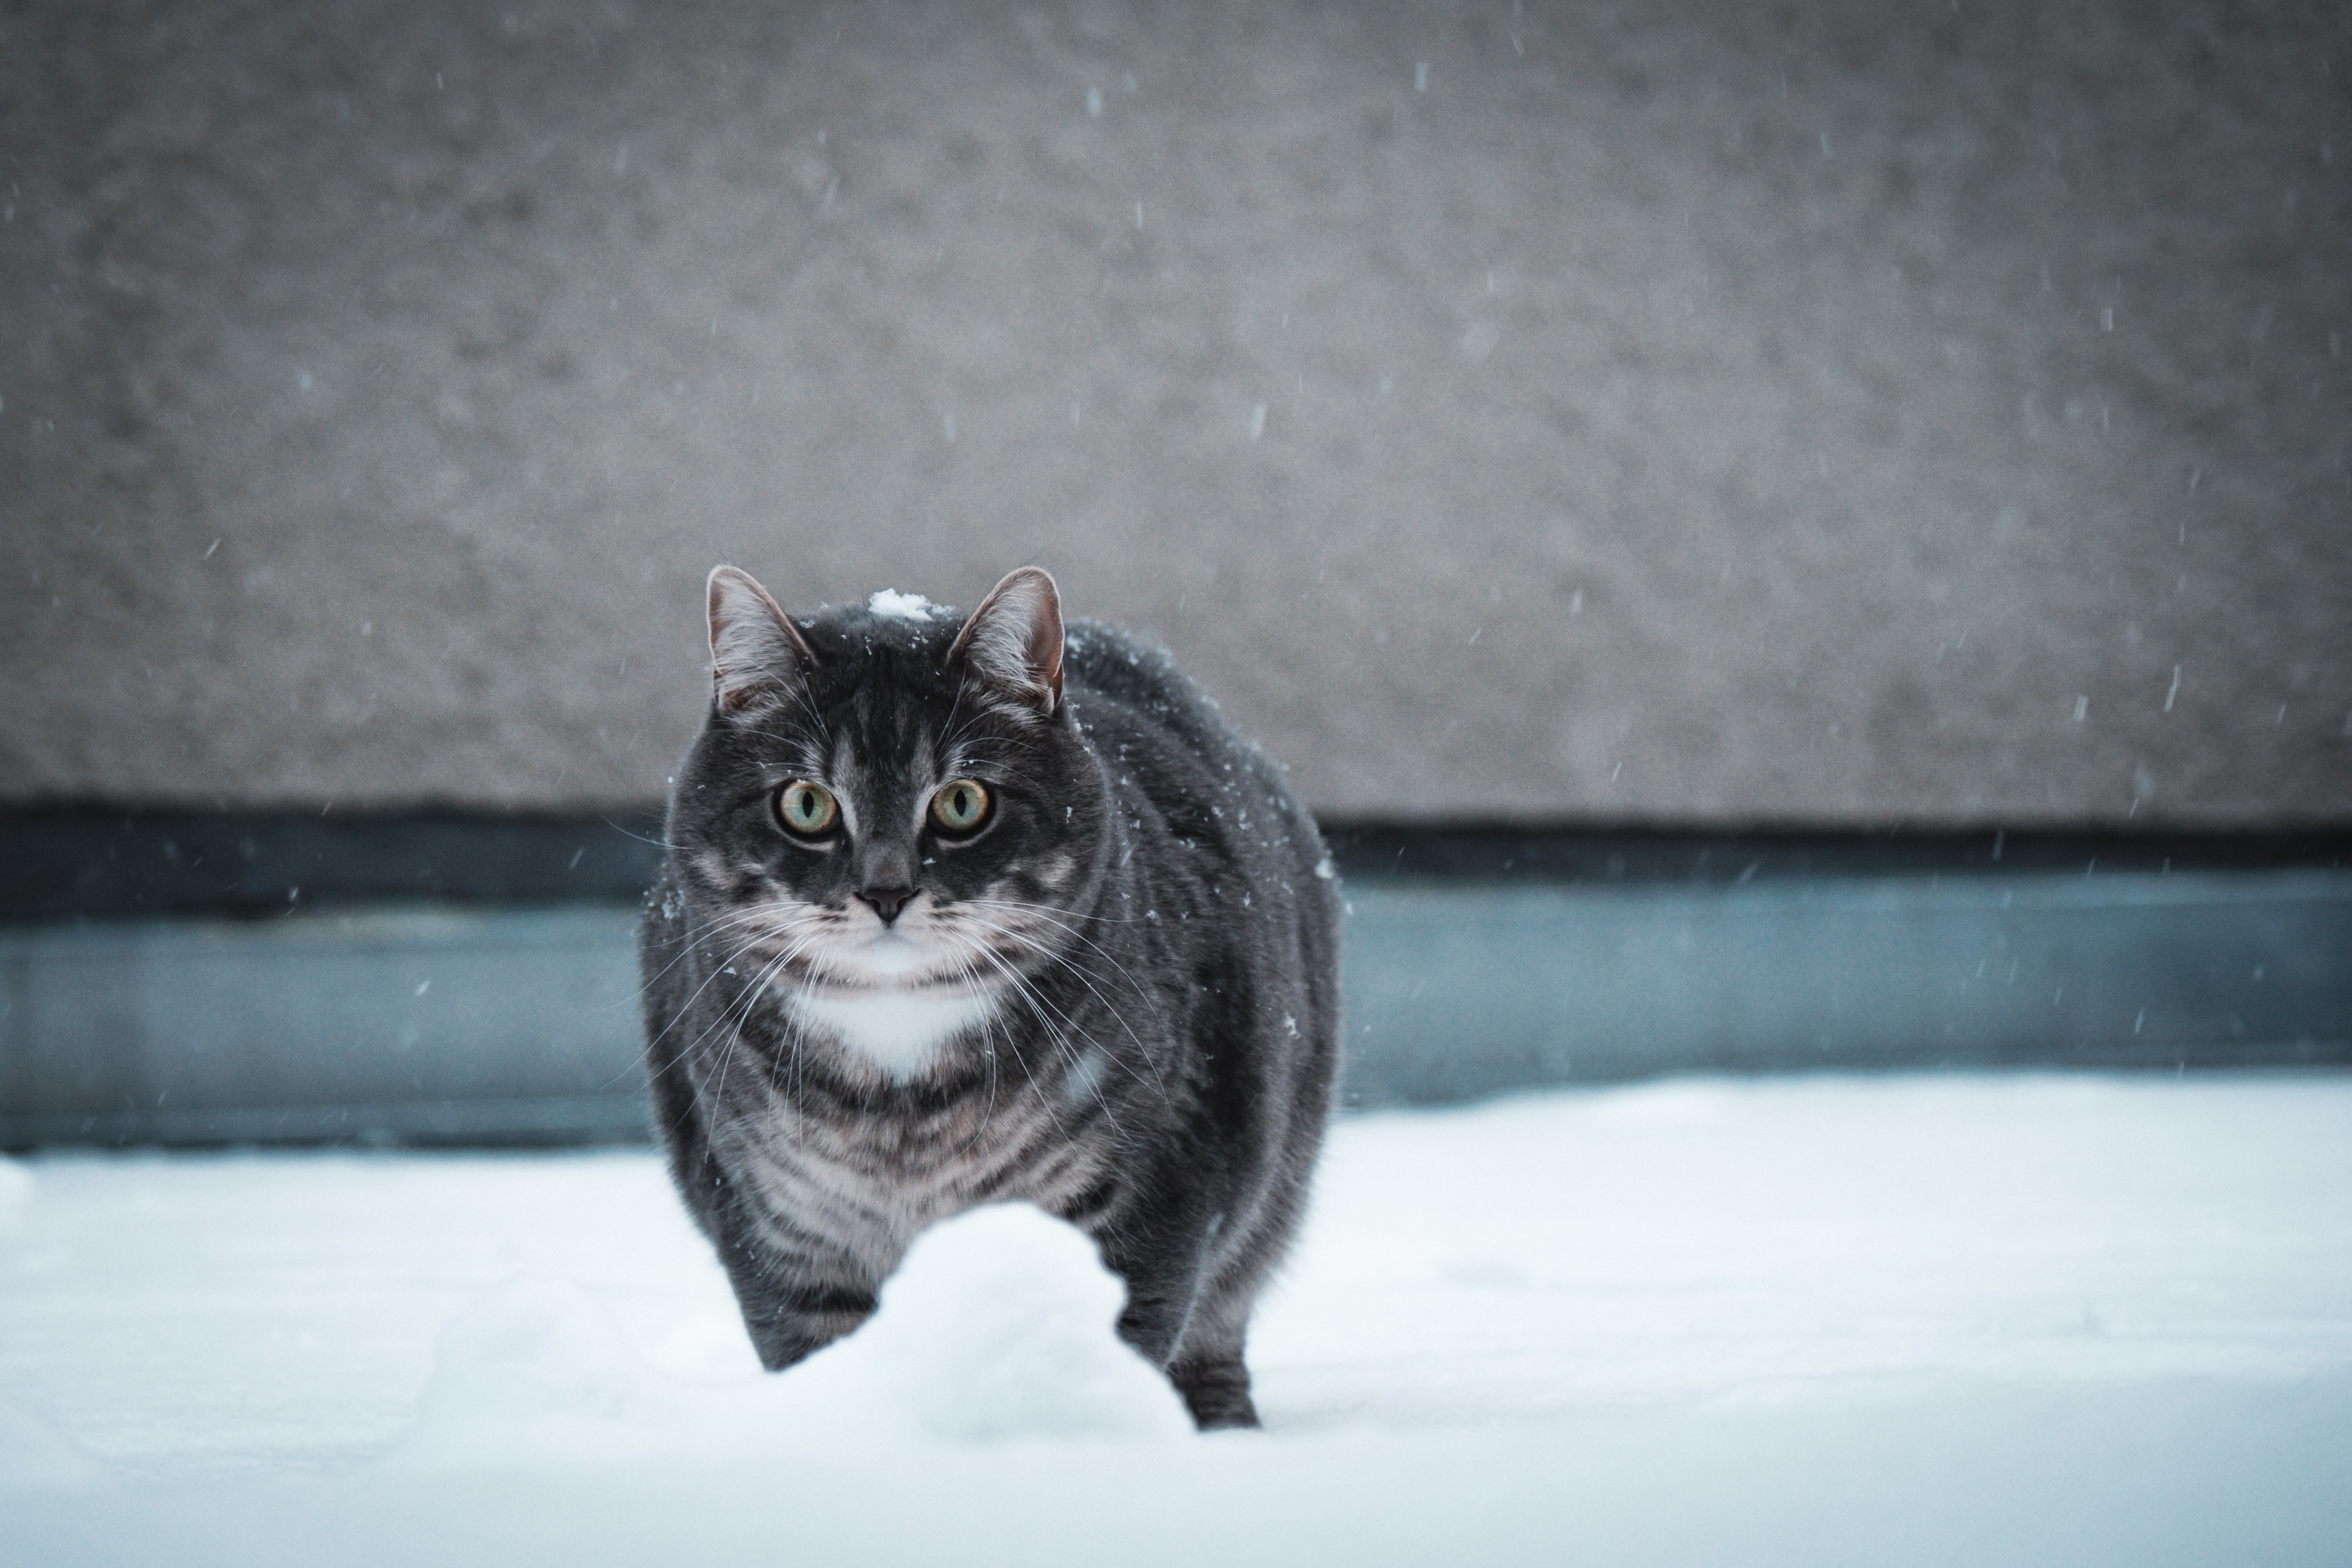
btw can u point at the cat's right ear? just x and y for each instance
(1014, 641)
(754, 646)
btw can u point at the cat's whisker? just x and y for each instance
(761, 985)
(727, 1056)
(1152, 1082)
(1043, 914)
(720, 968)
(1066, 962)
(726, 967)
(746, 1005)
(741, 1010)
(1054, 911)
(1021, 943)
(661, 843)
(1012, 1045)
(988, 1056)
(1052, 917)
(687, 950)
(739, 920)
(1026, 944)
(1075, 1061)
(949, 731)
(1022, 989)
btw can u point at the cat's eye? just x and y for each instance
(806, 809)
(960, 806)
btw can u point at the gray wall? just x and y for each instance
(1711, 412)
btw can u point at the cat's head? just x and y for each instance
(886, 795)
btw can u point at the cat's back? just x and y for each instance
(1109, 661)
(1132, 688)
(1161, 738)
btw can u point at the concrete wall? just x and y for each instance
(1700, 411)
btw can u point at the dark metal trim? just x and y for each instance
(103, 865)
(90, 862)
(1734, 856)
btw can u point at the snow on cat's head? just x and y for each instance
(892, 605)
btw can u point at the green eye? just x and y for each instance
(960, 806)
(805, 808)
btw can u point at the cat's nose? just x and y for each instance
(886, 902)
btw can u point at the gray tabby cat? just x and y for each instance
(956, 912)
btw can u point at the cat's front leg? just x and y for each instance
(1163, 1257)
(1207, 1368)
(795, 1301)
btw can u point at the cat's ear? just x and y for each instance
(754, 648)
(1014, 641)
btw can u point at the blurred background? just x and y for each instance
(1771, 535)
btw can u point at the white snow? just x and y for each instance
(891, 605)
(1913, 1320)
(15, 1196)
(997, 1325)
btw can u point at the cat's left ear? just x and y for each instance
(1014, 641)
(754, 646)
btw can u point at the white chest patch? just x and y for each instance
(896, 1031)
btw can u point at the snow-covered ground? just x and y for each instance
(1907, 1319)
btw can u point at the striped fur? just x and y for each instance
(1117, 999)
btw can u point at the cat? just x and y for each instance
(956, 911)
